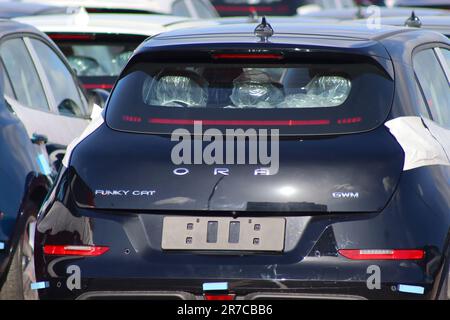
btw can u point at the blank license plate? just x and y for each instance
(218, 233)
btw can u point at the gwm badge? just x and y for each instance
(345, 195)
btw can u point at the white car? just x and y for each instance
(99, 45)
(41, 88)
(199, 9)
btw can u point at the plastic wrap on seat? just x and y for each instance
(177, 91)
(85, 66)
(255, 89)
(321, 91)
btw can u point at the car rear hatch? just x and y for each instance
(323, 115)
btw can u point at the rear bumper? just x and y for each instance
(174, 295)
(183, 289)
(309, 266)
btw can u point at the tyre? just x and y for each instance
(443, 292)
(21, 272)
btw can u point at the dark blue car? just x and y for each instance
(165, 196)
(24, 183)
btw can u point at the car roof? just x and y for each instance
(292, 30)
(156, 6)
(343, 38)
(436, 23)
(110, 23)
(421, 2)
(17, 9)
(8, 27)
(273, 19)
(365, 12)
(245, 20)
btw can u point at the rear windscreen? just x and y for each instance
(297, 99)
(97, 55)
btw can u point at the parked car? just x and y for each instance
(319, 5)
(370, 2)
(254, 18)
(42, 88)
(437, 23)
(24, 181)
(367, 12)
(279, 7)
(10, 10)
(227, 8)
(441, 4)
(360, 190)
(98, 46)
(198, 9)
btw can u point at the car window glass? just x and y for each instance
(154, 97)
(90, 60)
(179, 8)
(202, 9)
(60, 80)
(250, 88)
(423, 109)
(434, 85)
(23, 75)
(446, 54)
(7, 87)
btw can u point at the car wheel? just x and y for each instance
(444, 293)
(21, 272)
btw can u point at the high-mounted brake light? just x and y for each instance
(252, 56)
(105, 86)
(356, 254)
(71, 36)
(69, 250)
(223, 297)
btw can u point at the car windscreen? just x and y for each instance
(297, 99)
(93, 56)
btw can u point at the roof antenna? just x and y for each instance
(413, 21)
(264, 30)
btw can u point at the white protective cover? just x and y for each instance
(97, 121)
(422, 140)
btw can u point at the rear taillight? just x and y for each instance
(104, 86)
(69, 250)
(223, 297)
(382, 254)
